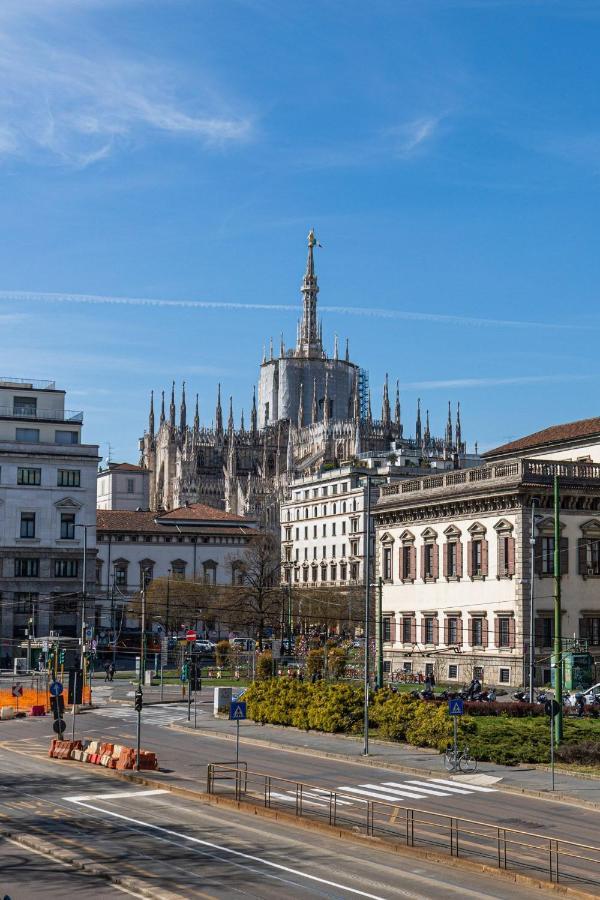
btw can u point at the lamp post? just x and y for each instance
(367, 576)
(83, 593)
(531, 601)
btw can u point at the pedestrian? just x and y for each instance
(428, 684)
(106, 671)
(432, 680)
(580, 704)
(111, 671)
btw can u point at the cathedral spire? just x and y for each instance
(162, 409)
(271, 348)
(449, 427)
(151, 416)
(326, 401)
(264, 356)
(197, 417)
(309, 343)
(418, 425)
(219, 413)
(182, 410)
(230, 420)
(242, 424)
(314, 412)
(458, 429)
(427, 435)
(385, 406)
(397, 416)
(172, 407)
(282, 347)
(290, 455)
(336, 349)
(347, 350)
(253, 417)
(301, 406)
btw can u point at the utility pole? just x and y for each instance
(531, 602)
(367, 574)
(83, 603)
(558, 719)
(143, 631)
(113, 622)
(379, 633)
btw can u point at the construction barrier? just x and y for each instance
(111, 756)
(36, 697)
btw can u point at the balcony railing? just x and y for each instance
(32, 383)
(527, 471)
(46, 415)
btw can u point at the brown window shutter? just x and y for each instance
(423, 562)
(564, 556)
(501, 556)
(470, 559)
(459, 561)
(496, 631)
(445, 560)
(436, 561)
(413, 563)
(484, 557)
(446, 631)
(436, 631)
(511, 631)
(403, 574)
(459, 631)
(538, 556)
(413, 629)
(582, 556)
(484, 632)
(510, 563)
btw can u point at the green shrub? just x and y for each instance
(336, 662)
(222, 652)
(586, 753)
(314, 662)
(264, 665)
(336, 708)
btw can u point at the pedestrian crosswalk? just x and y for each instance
(402, 792)
(152, 715)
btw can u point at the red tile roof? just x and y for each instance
(555, 434)
(143, 521)
(200, 512)
(128, 520)
(125, 467)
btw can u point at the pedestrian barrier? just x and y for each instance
(526, 852)
(37, 696)
(99, 753)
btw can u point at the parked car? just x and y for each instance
(204, 646)
(591, 696)
(243, 644)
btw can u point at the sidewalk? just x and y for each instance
(527, 779)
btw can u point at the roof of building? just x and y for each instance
(555, 434)
(199, 512)
(124, 467)
(126, 520)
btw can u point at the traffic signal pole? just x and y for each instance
(558, 719)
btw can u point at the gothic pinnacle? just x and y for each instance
(397, 417)
(151, 415)
(172, 407)
(162, 408)
(301, 406)
(197, 416)
(182, 410)
(347, 350)
(219, 412)
(314, 412)
(230, 420)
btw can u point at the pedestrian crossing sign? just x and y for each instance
(455, 707)
(237, 710)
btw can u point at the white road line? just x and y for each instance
(116, 795)
(469, 787)
(447, 788)
(374, 796)
(329, 794)
(422, 787)
(404, 792)
(223, 849)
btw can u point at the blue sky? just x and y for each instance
(446, 152)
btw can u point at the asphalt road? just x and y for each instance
(179, 848)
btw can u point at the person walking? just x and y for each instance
(107, 671)
(111, 671)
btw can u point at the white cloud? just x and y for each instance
(495, 382)
(76, 106)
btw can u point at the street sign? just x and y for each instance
(45, 645)
(237, 710)
(551, 708)
(17, 690)
(191, 635)
(89, 632)
(56, 688)
(455, 707)
(59, 726)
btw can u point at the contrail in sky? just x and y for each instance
(372, 311)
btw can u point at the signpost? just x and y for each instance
(237, 712)
(17, 691)
(191, 636)
(57, 704)
(455, 709)
(551, 708)
(138, 703)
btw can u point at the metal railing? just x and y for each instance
(32, 383)
(558, 860)
(44, 415)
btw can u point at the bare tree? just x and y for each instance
(257, 601)
(175, 602)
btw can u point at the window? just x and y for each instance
(476, 557)
(334, 491)
(387, 563)
(27, 525)
(353, 525)
(306, 553)
(504, 629)
(288, 576)
(66, 437)
(451, 567)
(477, 632)
(428, 560)
(314, 552)
(130, 486)
(305, 574)
(354, 571)
(323, 573)
(297, 556)
(306, 532)
(333, 572)
(121, 576)
(428, 629)
(315, 510)
(504, 676)
(506, 549)
(406, 556)
(297, 534)
(544, 631)
(288, 534)
(66, 568)
(343, 549)
(324, 509)
(324, 529)
(306, 512)
(314, 531)
(333, 551)
(28, 435)
(266, 411)
(25, 406)
(296, 574)
(353, 548)
(333, 528)
(69, 478)
(314, 573)
(288, 554)
(589, 556)
(324, 491)
(27, 568)
(67, 526)
(387, 628)
(324, 553)
(428, 669)
(29, 476)
(407, 631)
(344, 527)
(452, 630)
(547, 555)
(343, 571)
(452, 672)
(478, 672)
(589, 629)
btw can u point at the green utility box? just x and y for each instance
(578, 671)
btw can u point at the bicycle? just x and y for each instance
(459, 761)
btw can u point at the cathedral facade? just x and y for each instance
(312, 410)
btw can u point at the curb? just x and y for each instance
(557, 796)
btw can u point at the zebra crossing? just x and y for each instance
(389, 791)
(152, 715)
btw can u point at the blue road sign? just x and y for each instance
(237, 710)
(56, 688)
(455, 707)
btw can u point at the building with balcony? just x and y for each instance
(453, 550)
(47, 493)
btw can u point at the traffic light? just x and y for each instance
(196, 678)
(185, 671)
(61, 657)
(139, 700)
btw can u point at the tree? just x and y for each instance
(257, 601)
(175, 601)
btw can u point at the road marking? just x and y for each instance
(292, 799)
(423, 787)
(447, 790)
(469, 787)
(116, 795)
(403, 791)
(223, 849)
(392, 798)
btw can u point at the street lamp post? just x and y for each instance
(83, 595)
(367, 575)
(531, 602)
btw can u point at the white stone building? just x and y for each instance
(453, 551)
(123, 486)
(47, 492)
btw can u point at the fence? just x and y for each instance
(35, 692)
(557, 860)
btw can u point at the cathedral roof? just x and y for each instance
(568, 433)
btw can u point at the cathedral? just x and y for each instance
(312, 410)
